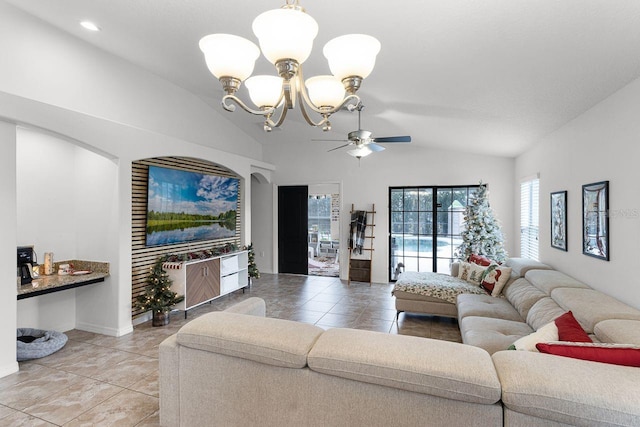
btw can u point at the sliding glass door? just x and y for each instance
(425, 225)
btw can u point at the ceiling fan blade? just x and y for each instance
(331, 140)
(337, 148)
(386, 139)
(375, 147)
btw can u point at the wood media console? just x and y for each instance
(203, 280)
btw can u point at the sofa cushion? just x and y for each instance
(486, 306)
(543, 312)
(520, 266)
(568, 390)
(522, 296)
(618, 331)
(617, 354)
(548, 280)
(492, 334)
(271, 341)
(407, 363)
(590, 306)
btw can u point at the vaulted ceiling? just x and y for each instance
(490, 76)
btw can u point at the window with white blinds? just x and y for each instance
(529, 196)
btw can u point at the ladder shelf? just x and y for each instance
(360, 268)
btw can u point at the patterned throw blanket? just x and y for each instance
(436, 285)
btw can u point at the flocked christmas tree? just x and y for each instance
(482, 234)
(253, 268)
(157, 295)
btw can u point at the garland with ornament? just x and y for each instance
(482, 234)
(157, 295)
(201, 254)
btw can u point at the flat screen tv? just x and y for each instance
(185, 206)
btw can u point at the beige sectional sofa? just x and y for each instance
(535, 300)
(238, 368)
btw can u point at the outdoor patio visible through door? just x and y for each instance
(425, 224)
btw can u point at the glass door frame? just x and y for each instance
(434, 211)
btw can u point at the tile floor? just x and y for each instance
(97, 380)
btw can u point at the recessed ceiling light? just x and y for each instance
(90, 26)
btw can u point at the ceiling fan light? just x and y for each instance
(352, 55)
(325, 91)
(359, 152)
(229, 56)
(264, 91)
(285, 34)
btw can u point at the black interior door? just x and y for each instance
(292, 229)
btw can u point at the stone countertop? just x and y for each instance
(98, 271)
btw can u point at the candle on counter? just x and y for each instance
(48, 263)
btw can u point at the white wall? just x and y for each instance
(601, 144)
(54, 82)
(42, 63)
(65, 200)
(367, 182)
(8, 221)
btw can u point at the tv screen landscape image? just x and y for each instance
(185, 206)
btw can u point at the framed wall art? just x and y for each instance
(595, 220)
(559, 220)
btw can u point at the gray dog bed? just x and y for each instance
(36, 343)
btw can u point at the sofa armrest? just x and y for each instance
(169, 381)
(520, 266)
(567, 390)
(455, 268)
(253, 306)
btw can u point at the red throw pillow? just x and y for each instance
(570, 330)
(614, 354)
(480, 260)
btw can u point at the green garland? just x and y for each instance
(201, 254)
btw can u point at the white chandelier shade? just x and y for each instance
(285, 34)
(325, 91)
(264, 91)
(240, 55)
(352, 55)
(286, 38)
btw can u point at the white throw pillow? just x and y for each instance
(546, 333)
(472, 273)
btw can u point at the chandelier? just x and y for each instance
(286, 38)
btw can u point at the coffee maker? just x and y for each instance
(26, 261)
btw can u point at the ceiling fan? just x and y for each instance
(364, 143)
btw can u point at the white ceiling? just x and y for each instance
(488, 76)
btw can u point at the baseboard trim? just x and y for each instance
(9, 369)
(97, 329)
